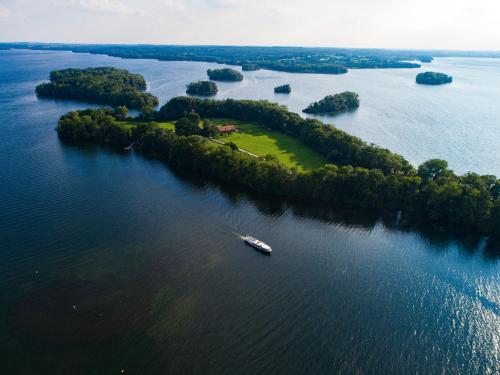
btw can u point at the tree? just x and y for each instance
(433, 169)
(188, 125)
(209, 130)
(232, 146)
(120, 113)
(117, 134)
(147, 113)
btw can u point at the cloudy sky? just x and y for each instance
(438, 24)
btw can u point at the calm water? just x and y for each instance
(112, 262)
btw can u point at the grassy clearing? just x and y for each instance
(261, 141)
(164, 125)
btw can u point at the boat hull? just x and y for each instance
(258, 248)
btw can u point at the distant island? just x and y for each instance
(433, 78)
(99, 85)
(333, 104)
(225, 74)
(283, 89)
(202, 88)
(426, 59)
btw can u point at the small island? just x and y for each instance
(225, 74)
(433, 78)
(202, 88)
(333, 104)
(283, 89)
(426, 59)
(99, 85)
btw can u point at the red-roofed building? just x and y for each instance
(227, 129)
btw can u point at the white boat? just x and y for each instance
(259, 245)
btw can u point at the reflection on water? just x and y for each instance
(112, 262)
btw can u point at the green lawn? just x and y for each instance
(261, 141)
(167, 125)
(164, 125)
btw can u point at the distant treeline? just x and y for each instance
(99, 85)
(286, 59)
(362, 176)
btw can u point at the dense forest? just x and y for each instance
(283, 89)
(225, 74)
(359, 175)
(433, 78)
(287, 59)
(99, 85)
(202, 88)
(333, 104)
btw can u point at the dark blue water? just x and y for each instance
(111, 262)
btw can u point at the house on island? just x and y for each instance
(227, 129)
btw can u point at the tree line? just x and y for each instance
(431, 192)
(99, 85)
(287, 59)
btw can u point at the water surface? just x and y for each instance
(112, 262)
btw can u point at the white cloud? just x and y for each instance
(452, 24)
(4, 12)
(177, 6)
(103, 6)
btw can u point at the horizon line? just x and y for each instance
(253, 46)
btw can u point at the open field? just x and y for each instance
(261, 141)
(164, 125)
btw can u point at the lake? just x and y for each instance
(112, 263)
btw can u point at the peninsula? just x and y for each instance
(354, 173)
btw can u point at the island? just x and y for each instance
(333, 104)
(225, 74)
(433, 78)
(109, 86)
(344, 170)
(426, 59)
(202, 88)
(283, 89)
